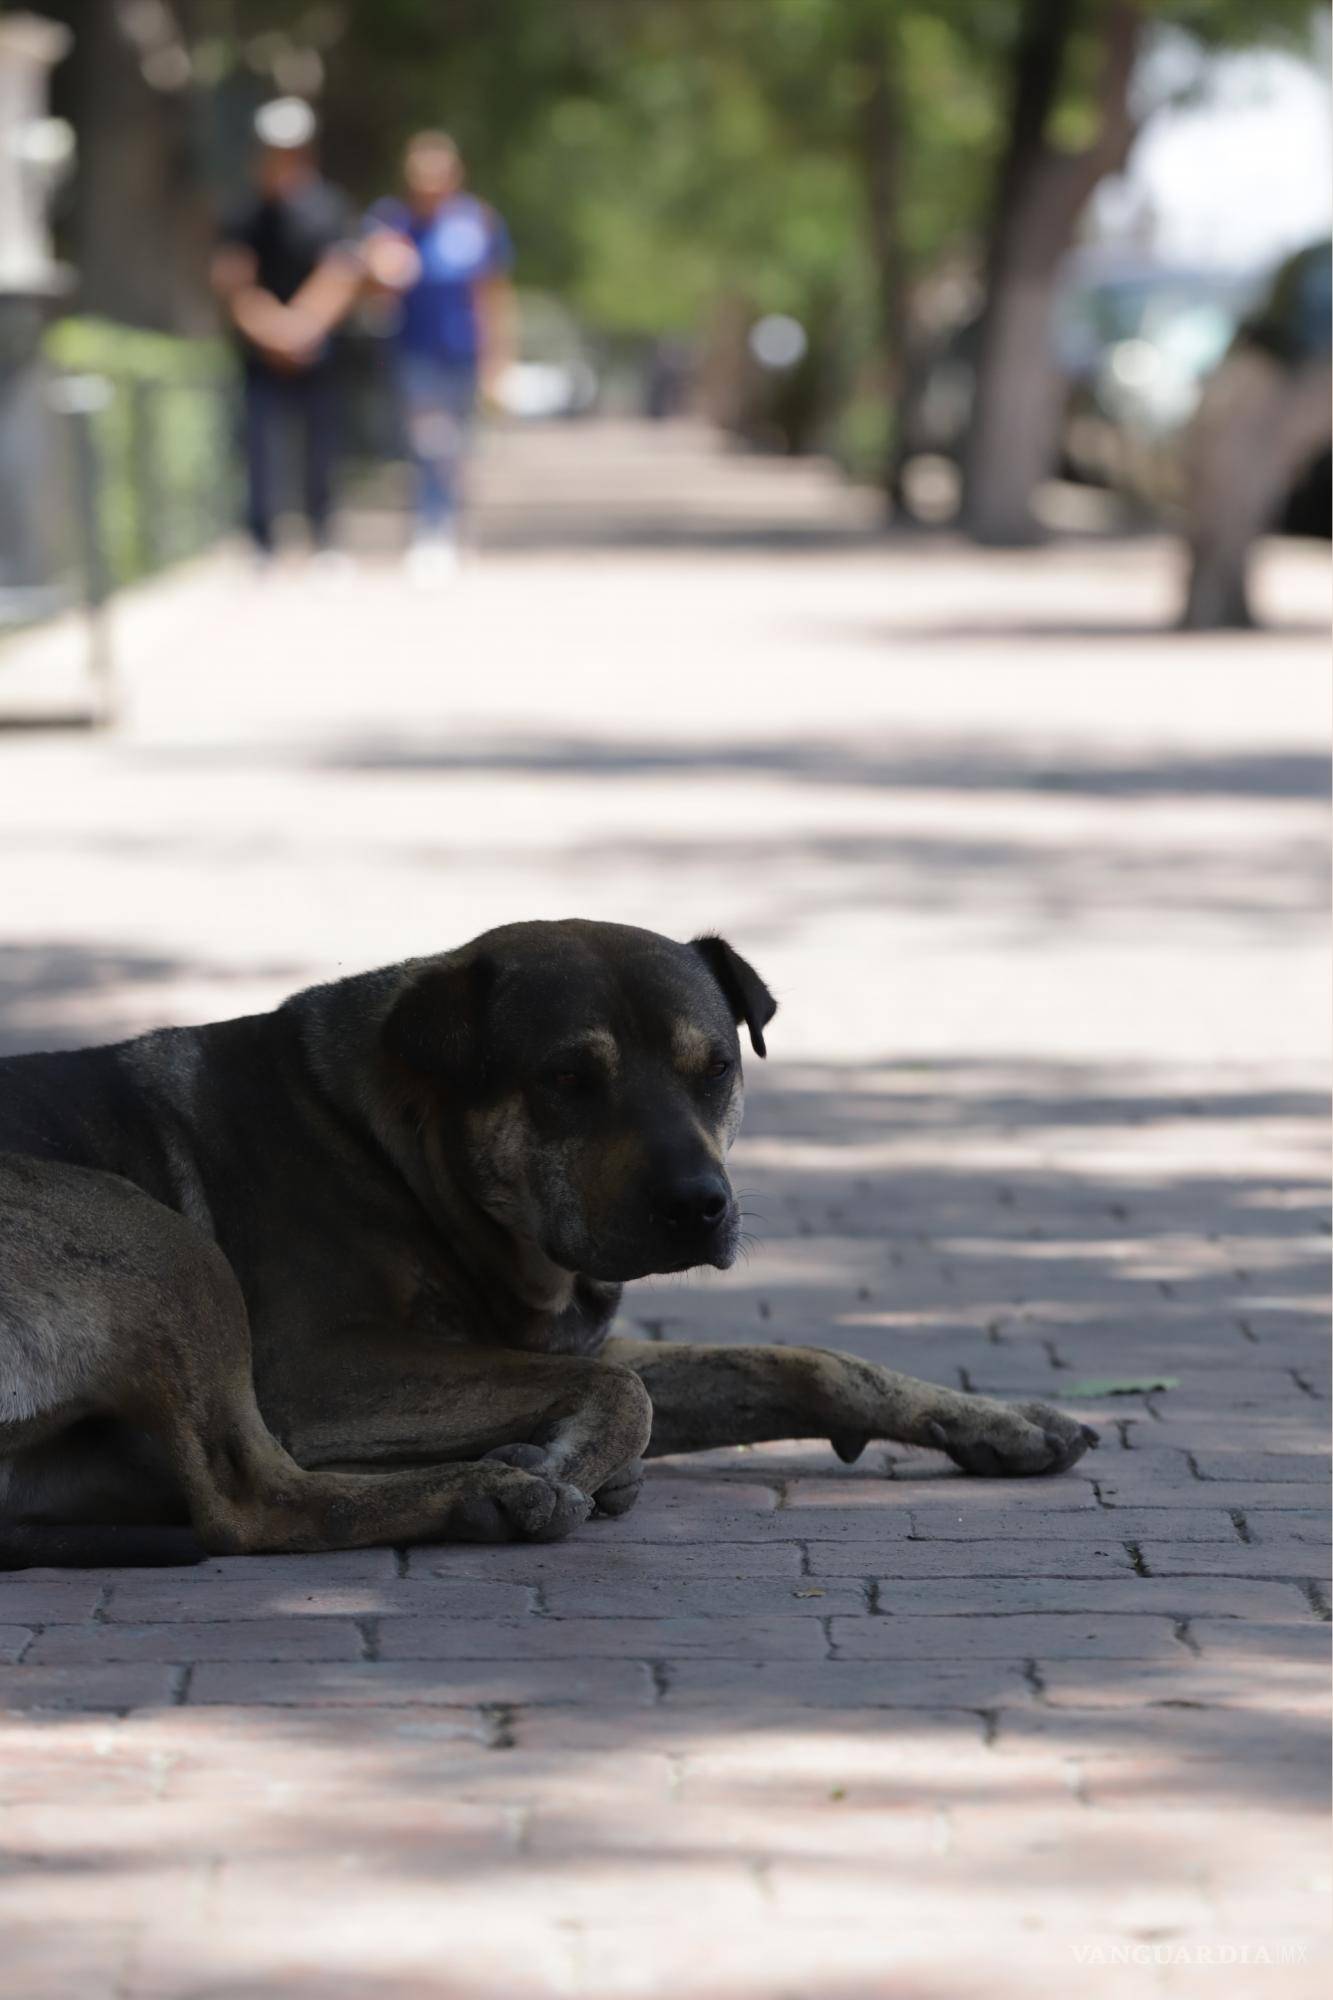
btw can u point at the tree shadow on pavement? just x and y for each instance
(967, 765)
(58, 995)
(698, 535)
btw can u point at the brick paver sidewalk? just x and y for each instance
(1039, 887)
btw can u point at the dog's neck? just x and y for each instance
(521, 1297)
(524, 1298)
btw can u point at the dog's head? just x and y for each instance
(589, 1077)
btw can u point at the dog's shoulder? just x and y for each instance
(80, 1106)
(134, 1108)
(111, 1108)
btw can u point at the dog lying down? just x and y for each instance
(345, 1273)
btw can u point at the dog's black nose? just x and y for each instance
(698, 1203)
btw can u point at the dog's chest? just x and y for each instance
(444, 1306)
(584, 1324)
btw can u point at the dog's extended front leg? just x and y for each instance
(706, 1396)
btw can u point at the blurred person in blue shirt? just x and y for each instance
(446, 256)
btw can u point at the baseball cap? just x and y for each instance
(285, 123)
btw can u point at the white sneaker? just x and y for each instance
(433, 562)
(332, 565)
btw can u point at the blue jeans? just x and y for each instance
(275, 405)
(439, 399)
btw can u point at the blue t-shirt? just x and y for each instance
(462, 243)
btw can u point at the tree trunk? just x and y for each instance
(1011, 443)
(881, 160)
(1012, 438)
(140, 224)
(1259, 425)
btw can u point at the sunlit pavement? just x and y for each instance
(1039, 884)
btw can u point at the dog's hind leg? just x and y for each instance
(115, 1307)
(706, 1396)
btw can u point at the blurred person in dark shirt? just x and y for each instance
(286, 269)
(446, 255)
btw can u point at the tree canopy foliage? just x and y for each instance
(840, 160)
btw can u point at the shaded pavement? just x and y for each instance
(1040, 886)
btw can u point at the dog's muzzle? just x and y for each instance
(698, 1220)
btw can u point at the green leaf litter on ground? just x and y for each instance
(1141, 1387)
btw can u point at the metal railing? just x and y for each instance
(138, 473)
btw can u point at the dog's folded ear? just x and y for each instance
(436, 1026)
(746, 994)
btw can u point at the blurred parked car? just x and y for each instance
(555, 374)
(1134, 340)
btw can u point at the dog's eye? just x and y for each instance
(566, 1080)
(719, 1067)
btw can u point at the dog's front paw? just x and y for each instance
(522, 1500)
(617, 1494)
(1014, 1441)
(614, 1496)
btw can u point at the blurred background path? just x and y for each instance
(1040, 886)
(956, 801)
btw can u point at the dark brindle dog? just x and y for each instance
(344, 1273)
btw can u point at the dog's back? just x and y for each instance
(96, 1107)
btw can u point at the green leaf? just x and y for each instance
(1141, 1386)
